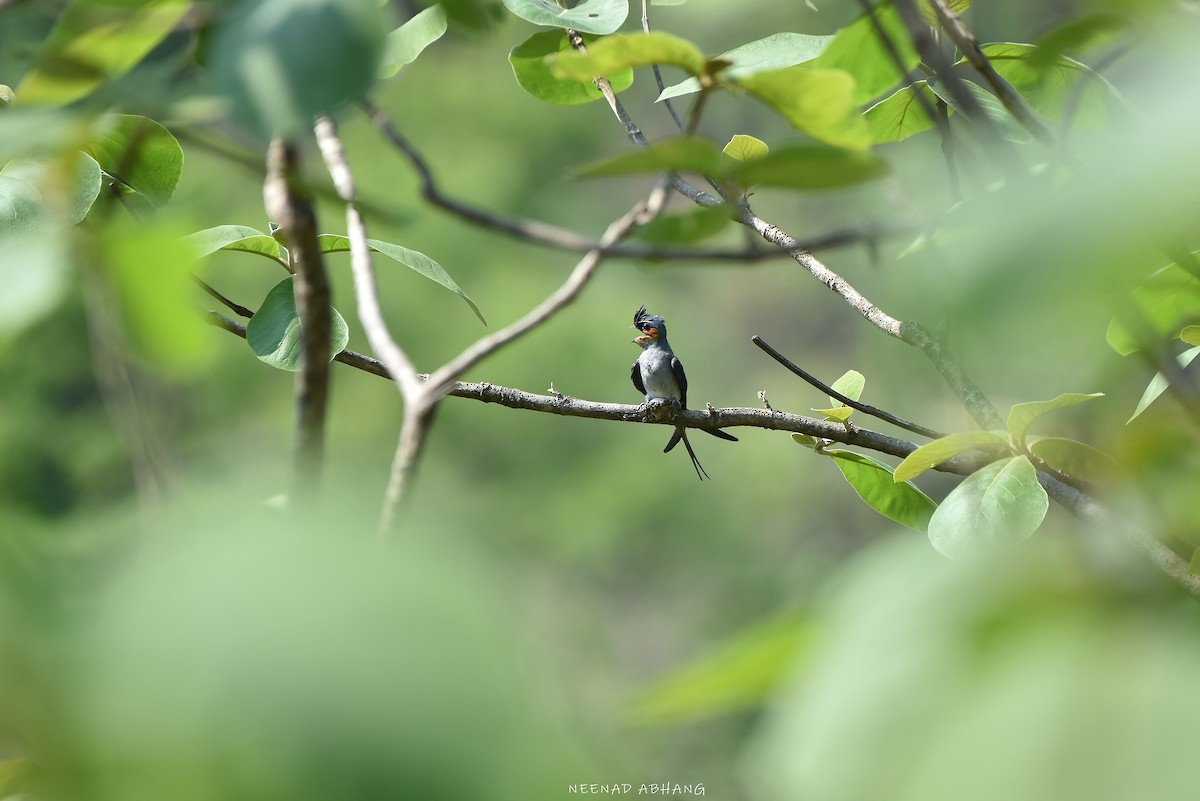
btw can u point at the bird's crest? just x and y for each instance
(640, 316)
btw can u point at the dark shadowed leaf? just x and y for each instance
(273, 333)
(528, 61)
(588, 16)
(998, 505)
(683, 154)
(895, 500)
(810, 167)
(685, 228)
(1077, 459)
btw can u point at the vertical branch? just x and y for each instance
(290, 205)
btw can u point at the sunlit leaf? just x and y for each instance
(895, 500)
(95, 41)
(745, 148)
(774, 52)
(810, 167)
(273, 333)
(413, 260)
(857, 50)
(1190, 334)
(738, 674)
(900, 115)
(1076, 459)
(851, 384)
(1165, 301)
(940, 450)
(839, 413)
(528, 61)
(139, 151)
(85, 186)
(616, 53)
(588, 16)
(406, 42)
(998, 505)
(817, 102)
(1022, 415)
(237, 238)
(805, 440)
(281, 68)
(1158, 385)
(683, 154)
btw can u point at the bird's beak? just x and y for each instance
(644, 339)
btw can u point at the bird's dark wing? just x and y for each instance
(636, 375)
(681, 377)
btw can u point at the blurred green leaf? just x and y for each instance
(954, 6)
(413, 260)
(900, 115)
(237, 238)
(533, 73)
(474, 15)
(895, 500)
(817, 102)
(682, 154)
(281, 68)
(774, 52)
(857, 50)
(615, 53)
(1081, 33)
(1077, 459)
(804, 166)
(140, 152)
(20, 778)
(273, 333)
(1190, 334)
(85, 187)
(1166, 301)
(21, 205)
(745, 148)
(998, 505)
(1054, 87)
(1022, 415)
(685, 228)
(406, 42)
(588, 16)
(148, 269)
(34, 266)
(934, 453)
(851, 384)
(1158, 385)
(737, 674)
(96, 41)
(1005, 123)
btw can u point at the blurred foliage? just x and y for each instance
(165, 632)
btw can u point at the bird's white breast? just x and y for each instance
(657, 376)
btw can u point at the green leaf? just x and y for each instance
(139, 151)
(996, 506)
(94, 41)
(237, 238)
(21, 204)
(1190, 334)
(1159, 384)
(857, 49)
(837, 413)
(473, 15)
(682, 154)
(934, 453)
(895, 500)
(745, 148)
(85, 186)
(1006, 124)
(851, 384)
(1081, 33)
(412, 259)
(273, 333)
(806, 440)
(616, 53)
(685, 228)
(1022, 415)
(1166, 301)
(817, 102)
(588, 16)
(738, 674)
(281, 65)
(810, 167)
(533, 73)
(148, 269)
(774, 52)
(34, 269)
(955, 7)
(1077, 459)
(1051, 86)
(22, 778)
(406, 42)
(900, 115)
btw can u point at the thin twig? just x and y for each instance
(236, 308)
(853, 404)
(290, 205)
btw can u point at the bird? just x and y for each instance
(658, 374)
